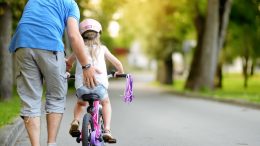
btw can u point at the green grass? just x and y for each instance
(9, 110)
(233, 88)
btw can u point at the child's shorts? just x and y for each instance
(100, 90)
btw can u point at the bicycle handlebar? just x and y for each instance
(110, 75)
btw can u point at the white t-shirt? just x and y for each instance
(98, 63)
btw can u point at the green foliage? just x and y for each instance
(9, 110)
(232, 88)
(103, 12)
(161, 26)
(244, 29)
(17, 7)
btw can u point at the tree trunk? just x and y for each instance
(219, 76)
(6, 69)
(245, 70)
(165, 71)
(207, 59)
(224, 12)
(194, 68)
(245, 61)
(209, 56)
(252, 69)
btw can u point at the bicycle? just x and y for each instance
(92, 124)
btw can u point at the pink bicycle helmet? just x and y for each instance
(90, 24)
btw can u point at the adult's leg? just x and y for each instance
(53, 68)
(32, 125)
(53, 125)
(29, 88)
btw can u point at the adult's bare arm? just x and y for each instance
(78, 47)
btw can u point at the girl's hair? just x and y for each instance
(92, 41)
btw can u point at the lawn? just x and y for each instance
(233, 88)
(9, 110)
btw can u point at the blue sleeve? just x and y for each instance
(74, 11)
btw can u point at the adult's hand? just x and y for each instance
(89, 77)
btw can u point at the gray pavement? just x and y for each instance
(156, 118)
(10, 133)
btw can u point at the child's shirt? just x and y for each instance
(98, 63)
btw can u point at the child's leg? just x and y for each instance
(78, 110)
(106, 110)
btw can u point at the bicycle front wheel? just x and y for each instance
(86, 128)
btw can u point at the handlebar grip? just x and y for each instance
(72, 77)
(118, 75)
(121, 75)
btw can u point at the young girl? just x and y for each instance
(91, 30)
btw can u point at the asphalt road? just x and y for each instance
(155, 118)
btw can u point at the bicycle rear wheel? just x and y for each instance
(86, 128)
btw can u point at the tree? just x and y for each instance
(210, 40)
(199, 20)
(244, 35)
(10, 11)
(224, 13)
(6, 77)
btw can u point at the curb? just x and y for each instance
(10, 133)
(231, 101)
(236, 102)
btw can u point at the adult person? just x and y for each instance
(39, 52)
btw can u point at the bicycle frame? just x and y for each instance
(92, 136)
(96, 134)
(92, 125)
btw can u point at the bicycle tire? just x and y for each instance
(85, 130)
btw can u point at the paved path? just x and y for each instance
(159, 119)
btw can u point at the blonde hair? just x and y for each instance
(92, 42)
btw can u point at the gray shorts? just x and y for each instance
(100, 90)
(35, 67)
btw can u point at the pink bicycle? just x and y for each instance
(92, 125)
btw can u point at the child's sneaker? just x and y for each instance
(74, 129)
(108, 137)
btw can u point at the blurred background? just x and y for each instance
(210, 47)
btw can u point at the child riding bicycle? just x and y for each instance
(91, 30)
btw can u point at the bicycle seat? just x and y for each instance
(90, 97)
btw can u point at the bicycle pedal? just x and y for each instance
(75, 133)
(110, 140)
(78, 140)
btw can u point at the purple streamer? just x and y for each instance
(129, 94)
